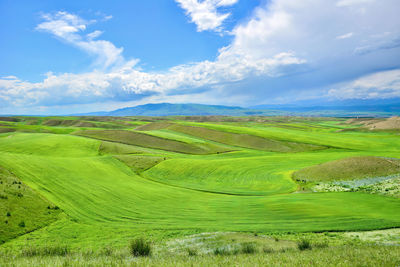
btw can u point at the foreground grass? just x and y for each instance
(331, 256)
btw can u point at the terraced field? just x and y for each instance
(176, 178)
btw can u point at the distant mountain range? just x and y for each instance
(167, 109)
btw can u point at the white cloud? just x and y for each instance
(345, 36)
(68, 27)
(94, 34)
(108, 17)
(205, 13)
(385, 84)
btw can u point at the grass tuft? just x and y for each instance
(248, 248)
(140, 247)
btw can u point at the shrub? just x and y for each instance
(21, 224)
(8, 214)
(304, 244)
(248, 248)
(191, 251)
(140, 247)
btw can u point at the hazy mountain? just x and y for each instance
(166, 109)
(345, 109)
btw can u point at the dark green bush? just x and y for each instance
(140, 247)
(304, 244)
(21, 224)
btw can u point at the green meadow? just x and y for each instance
(229, 190)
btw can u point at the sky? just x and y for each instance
(65, 57)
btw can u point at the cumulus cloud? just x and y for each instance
(384, 84)
(125, 82)
(205, 13)
(69, 27)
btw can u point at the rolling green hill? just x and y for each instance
(145, 140)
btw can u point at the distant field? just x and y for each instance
(95, 183)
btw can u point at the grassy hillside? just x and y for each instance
(176, 178)
(22, 210)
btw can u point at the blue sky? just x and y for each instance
(60, 57)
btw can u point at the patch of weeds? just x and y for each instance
(268, 250)
(304, 244)
(107, 251)
(321, 245)
(283, 250)
(46, 251)
(248, 248)
(224, 251)
(140, 247)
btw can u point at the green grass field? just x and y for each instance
(92, 184)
